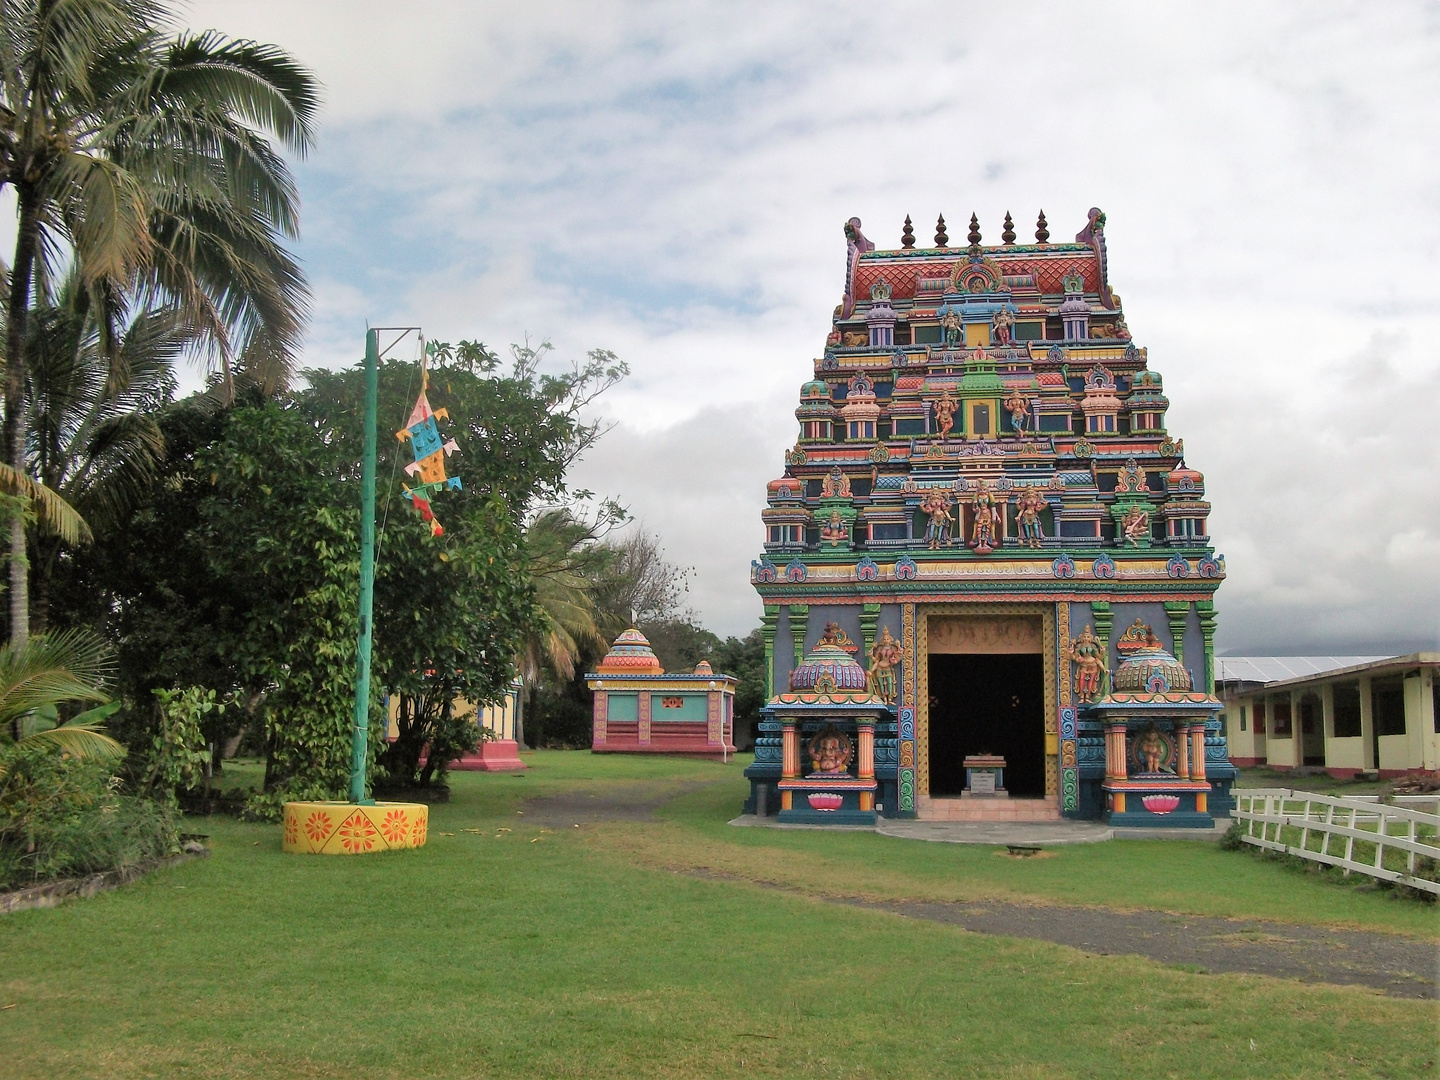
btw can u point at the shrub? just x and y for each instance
(62, 816)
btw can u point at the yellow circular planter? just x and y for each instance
(344, 828)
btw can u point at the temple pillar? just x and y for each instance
(799, 623)
(869, 621)
(1197, 751)
(1208, 617)
(1104, 620)
(1115, 761)
(1182, 752)
(642, 726)
(866, 761)
(1177, 613)
(789, 758)
(768, 622)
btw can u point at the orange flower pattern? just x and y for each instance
(358, 833)
(292, 829)
(317, 826)
(418, 837)
(395, 827)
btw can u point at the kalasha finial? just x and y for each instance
(907, 234)
(974, 236)
(1009, 234)
(940, 238)
(1042, 234)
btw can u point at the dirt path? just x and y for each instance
(1399, 966)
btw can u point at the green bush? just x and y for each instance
(61, 816)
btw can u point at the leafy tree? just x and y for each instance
(745, 659)
(147, 163)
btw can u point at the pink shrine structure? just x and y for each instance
(639, 709)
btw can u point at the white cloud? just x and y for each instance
(669, 180)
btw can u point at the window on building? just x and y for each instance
(926, 334)
(910, 427)
(1280, 710)
(1029, 331)
(1259, 718)
(887, 531)
(1242, 717)
(980, 420)
(1347, 710)
(1387, 706)
(1435, 699)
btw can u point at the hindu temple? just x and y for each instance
(640, 709)
(987, 579)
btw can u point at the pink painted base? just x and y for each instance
(500, 755)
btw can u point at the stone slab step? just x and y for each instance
(942, 809)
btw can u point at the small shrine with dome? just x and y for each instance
(983, 488)
(641, 709)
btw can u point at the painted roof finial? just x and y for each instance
(1009, 234)
(1042, 234)
(940, 238)
(907, 234)
(974, 236)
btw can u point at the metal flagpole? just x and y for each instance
(367, 572)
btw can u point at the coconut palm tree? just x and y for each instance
(562, 570)
(49, 671)
(148, 163)
(94, 435)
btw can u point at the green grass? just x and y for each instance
(582, 952)
(1317, 783)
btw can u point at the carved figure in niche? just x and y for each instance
(836, 485)
(831, 752)
(1152, 749)
(988, 520)
(1002, 323)
(1029, 505)
(1089, 660)
(856, 339)
(833, 635)
(884, 658)
(1019, 410)
(833, 339)
(950, 325)
(945, 413)
(835, 531)
(938, 505)
(1135, 525)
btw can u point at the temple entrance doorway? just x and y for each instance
(991, 703)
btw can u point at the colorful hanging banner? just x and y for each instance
(430, 454)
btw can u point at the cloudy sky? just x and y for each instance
(669, 181)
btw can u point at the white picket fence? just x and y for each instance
(1341, 823)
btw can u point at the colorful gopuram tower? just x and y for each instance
(983, 494)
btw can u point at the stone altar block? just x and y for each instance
(984, 777)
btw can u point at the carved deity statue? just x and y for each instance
(835, 531)
(1152, 749)
(1089, 660)
(988, 521)
(937, 504)
(1002, 323)
(945, 413)
(884, 658)
(1029, 505)
(1135, 525)
(830, 753)
(1019, 410)
(951, 326)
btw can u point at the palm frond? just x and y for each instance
(52, 511)
(80, 740)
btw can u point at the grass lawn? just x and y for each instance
(506, 949)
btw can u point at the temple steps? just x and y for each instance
(956, 809)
